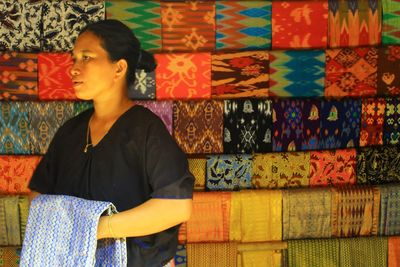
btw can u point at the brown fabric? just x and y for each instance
(211, 254)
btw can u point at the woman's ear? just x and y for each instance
(122, 68)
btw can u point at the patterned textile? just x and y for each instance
(243, 25)
(228, 172)
(372, 116)
(211, 254)
(63, 20)
(388, 63)
(58, 221)
(15, 173)
(333, 167)
(306, 213)
(142, 17)
(45, 118)
(3, 224)
(281, 170)
(54, 76)
(18, 76)
(260, 258)
(182, 234)
(296, 124)
(340, 123)
(181, 76)
(256, 216)
(14, 128)
(391, 22)
(297, 73)
(247, 126)
(198, 126)
(20, 22)
(9, 256)
(394, 251)
(351, 72)
(389, 219)
(80, 106)
(180, 257)
(23, 209)
(11, 212)
(391, 127)
(378, 165)
(355, 211)
(354, 23)
(162, 109)
(144, 86)
(197, 167)
(314, 252)
(371, 251)
(239, 74)
(188, 26)
(299, 24)
(210, 217)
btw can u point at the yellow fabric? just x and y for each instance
(235, 226)
(197, 167)
(263, 258)
(211, 254)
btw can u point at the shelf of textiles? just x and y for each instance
(339, 72)
(206, 25)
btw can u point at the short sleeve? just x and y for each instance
(166, 165)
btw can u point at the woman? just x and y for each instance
(118, 151)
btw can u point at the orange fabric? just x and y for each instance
(16, 172)
(183, 76)
(394, 251)
(210, 217)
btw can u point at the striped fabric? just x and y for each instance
(142, 17)
(243, 25)
(391, 22)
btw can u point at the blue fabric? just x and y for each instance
(62, 231)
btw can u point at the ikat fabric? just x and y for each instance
(212, 254)
(45, 118)
(180, 258)
(62, 21)
(144, 86)
(228, 172)
(354, 23)
(391, 126)
(391, 22)
(388, 63)
(209, 221)
(188, 26)
(378, 165)
(16, 172)
(81, 106)
(55, 81)
(314, 252)
(299, 24)
(243, 25)
(58, 221)
(247, 126)
(389, 217)
(18, 76)
(371, 251)
(239, 74)
(296, 73)
(20, 29)
(281, 170)
(14, 128)
(296, 124)
(10, 256)
(393, 251)
(333, 167)
(351, 72)
(306, 214)
(198, 126)
(142, 17)
(197, 167)
(163, 109)
(372, 118)
(355, 211)
(183, 76)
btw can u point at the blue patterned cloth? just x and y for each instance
(62, 231)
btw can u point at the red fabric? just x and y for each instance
(372, 118)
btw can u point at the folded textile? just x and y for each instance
(260, 258)
(23, 206)
(62, 231)
(371, 251)
(394, 251)
(389, 219)
(211, 254)
(197, 167)
(12, 220)
(391, 22)
(10, 256)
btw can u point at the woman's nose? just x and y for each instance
(74, 70)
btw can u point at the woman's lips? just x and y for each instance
(77, 83)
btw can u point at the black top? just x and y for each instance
(135, 161)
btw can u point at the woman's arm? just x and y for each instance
(153, 216)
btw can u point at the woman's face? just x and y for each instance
(93, 74)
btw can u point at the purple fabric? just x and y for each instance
(162, 109)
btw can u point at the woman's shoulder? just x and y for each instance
(143, 116)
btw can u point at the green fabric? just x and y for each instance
(313, 252)
(363, 252)
(391, 22)
(142, 17)
(12, 220)
(389, 216)
(3, 228)
(23, 214)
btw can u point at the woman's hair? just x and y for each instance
(121, 43)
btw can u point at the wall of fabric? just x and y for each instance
(289, 112)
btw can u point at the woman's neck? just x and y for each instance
(111, 109)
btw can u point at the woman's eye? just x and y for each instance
(85, 58)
